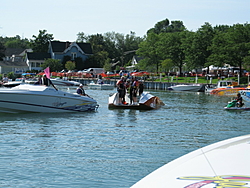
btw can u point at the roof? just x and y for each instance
(38, 55)
(8, 63)
(13, 51)
(58, 46)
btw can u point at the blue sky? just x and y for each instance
(65, 18)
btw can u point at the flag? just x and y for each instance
(47, 72)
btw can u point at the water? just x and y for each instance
(110, 148)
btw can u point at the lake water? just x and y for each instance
(111, 148)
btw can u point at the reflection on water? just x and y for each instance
(110, 148)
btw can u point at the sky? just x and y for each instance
(66, 18)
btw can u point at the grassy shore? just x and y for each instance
(200, 80)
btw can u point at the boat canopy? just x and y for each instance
(28, 73)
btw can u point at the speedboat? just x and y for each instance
(187, 87)
(222, 164)
(146, 102)
(19, 81)
(245, 94)
(93, 85)
(61, 82)
(37, 98)
(225, 87)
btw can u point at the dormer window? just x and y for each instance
(73, 55)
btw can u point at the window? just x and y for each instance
(73, 55)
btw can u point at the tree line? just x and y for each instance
(165, 47)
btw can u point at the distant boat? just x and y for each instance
(188, 87)
(245, 94)
(100, 86)
(223, 164)
(61, 82)
(225, 87)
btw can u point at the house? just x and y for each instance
(14, 61)
(135, 61)
(34, 60)
(58, 50)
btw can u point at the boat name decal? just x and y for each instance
(219, 181)
(57, 104)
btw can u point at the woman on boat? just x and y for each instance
(135, 87)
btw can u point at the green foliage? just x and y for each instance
(115, 46)
(2, 51)
(164, 26)
(16, 42)
(11, 75)
(70, 65)
(148, 49)
(198, 47)
(166, 65)
(54, 65)
(78, 63)
(40, 43)
(107, 65)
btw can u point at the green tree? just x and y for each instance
(171, 47)
(232, 46)
(107, 65)
(198, 46)
(2, 51)
(82, 37)
(54, 65)
(79, 65)
(167, 65)
(70, 65)
(40, 43)
(11, 75)
(149, 50)
(16, 42)
(165, 26)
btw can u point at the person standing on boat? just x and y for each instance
(135, 86)
(141, 87)
(47, 82)
(120, 84)
(129, 90)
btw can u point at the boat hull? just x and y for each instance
(226, 91)
(29, 98)
(193, 88)
(237, 108)
(146, 102)
(245, 95)
(223, 164)
(62, 82)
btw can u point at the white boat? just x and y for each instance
(146, 102)
(100, 86)
(13, 83)
(223, 164)
(188, 87)
(37, 98)
(61, 82)
(19, 81)
(245, 94)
